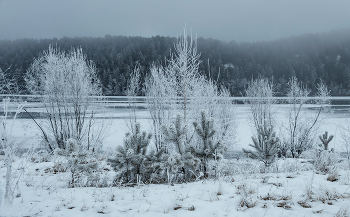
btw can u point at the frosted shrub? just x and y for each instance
(325, 194)
(159, 92)
(219, 108)
(260, 94)
(8, 85)
(247, 199)
(38, 157)
(326, 161)
(260, 99)
(229, 168)
(80, 163)
(172, 88)
(66, 81)
(293, 165)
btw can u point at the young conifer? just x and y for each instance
(265, 145)
(208, 148)
(131, 160)
(176, 134)
(79, 162)
(325, 140)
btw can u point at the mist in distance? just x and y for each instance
(239, 20)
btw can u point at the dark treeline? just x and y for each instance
(310, 57)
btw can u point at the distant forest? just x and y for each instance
(309, 57)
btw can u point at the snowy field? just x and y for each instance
(291, 187)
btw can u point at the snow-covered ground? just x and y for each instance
(296, 191)
(292, 188)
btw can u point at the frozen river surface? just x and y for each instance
(26, 132)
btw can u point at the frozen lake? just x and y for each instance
(115, 113)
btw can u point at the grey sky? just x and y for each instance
(240, 20)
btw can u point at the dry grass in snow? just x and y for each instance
(296, 191)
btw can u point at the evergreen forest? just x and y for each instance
(310, 57)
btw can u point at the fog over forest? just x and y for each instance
(239, 20)
(310, 57)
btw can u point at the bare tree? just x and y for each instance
(179, 87)
(183, 70)
(132, 91)
(345, 146)
(260, 99)
(8, 85)
(301, 123)
(66, 81)
(218, 105)
(169, 89)
(160, 95)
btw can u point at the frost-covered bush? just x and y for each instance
(175, 134)
(132, 161)
(219, 107)
(325, 194)
(39, 156)
(247, 199)
(265, 145)
(293, 165)
(66, 81)
(326, 161)
(323, 160)
(81, 163)
(229, 168)
(260, 94)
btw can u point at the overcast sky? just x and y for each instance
(239, 20)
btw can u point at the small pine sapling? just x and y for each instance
(208, 148)
(79, 162)
(172, 165)
(176, 134)
(325, 159)
(265, 144)
(131, 159)
(325, 140)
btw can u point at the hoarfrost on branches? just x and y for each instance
(66, 81)
(302, 126)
